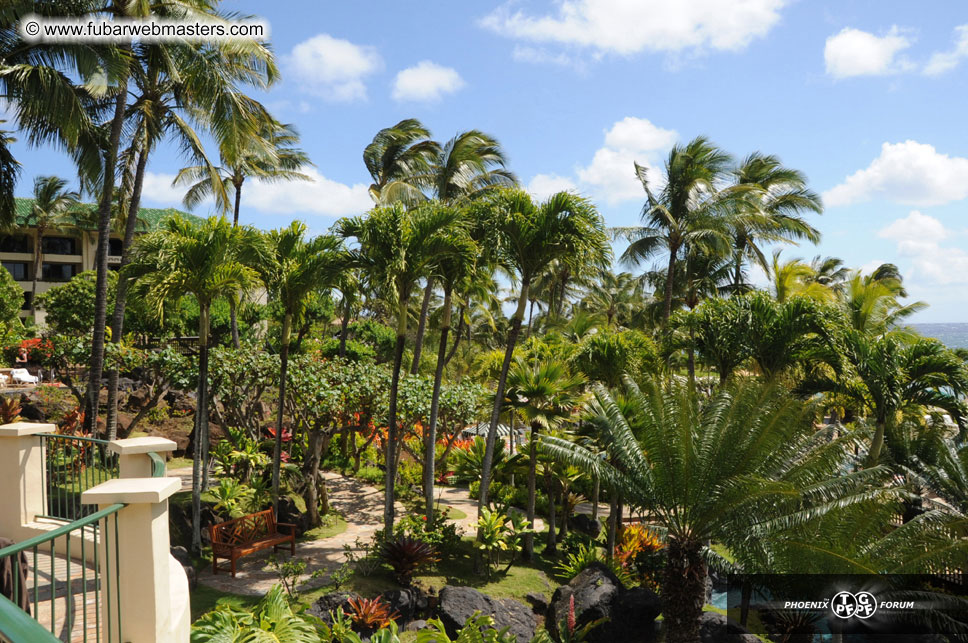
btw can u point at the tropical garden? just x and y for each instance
(629, 399)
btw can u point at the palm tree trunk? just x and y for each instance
(431, 438)
(670, 278)
(683, 590)
(691, 361)
(530, 316)
(233, 308)
(595, 493)
(552, 545)
(201, 426)
(391, 451)
(37, 270)
(283, 369)
(513, 333)
(457, 335)
(344, 325)
(121, 296)
(877, 443)
(421, 326)
(614, 508)
(311, 473)
(101, 261)
(532, 490)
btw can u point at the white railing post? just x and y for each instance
(133, 458)
(152, 585)
(22, 477)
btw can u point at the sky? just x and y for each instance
(867, 98)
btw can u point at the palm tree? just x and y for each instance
(396, 158)
(771, 211)
(745, 464)
(466, 167)
(9, 172)
(781, 335)
(796, 278)
(689, 210)
(453, 271)
(293, 269)
(183, 258)
(527, 237)
(891, 377)
(872, 301)
(616, 296)
(177, 87)
(545, 394)
(718, 330)
(268, 154)
(51, 212)
(396, 248)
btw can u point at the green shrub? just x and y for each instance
(575, 562)
(370, 474)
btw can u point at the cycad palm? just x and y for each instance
(205, 261)
(746, 463)
(527, 237)
(545, 395)
(396, 248)
(689, 211)
(51, 212)
(294, 267)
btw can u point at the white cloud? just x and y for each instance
(426, 81)
(628, 27)
(919, 238)
(910, 172)
(945, 61)
(332, 68)
(318, 196)
(544, 185)
(853, 52)
(611, 173)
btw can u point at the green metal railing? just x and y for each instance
(96, 538)
(73, 465)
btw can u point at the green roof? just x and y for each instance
(83, 211)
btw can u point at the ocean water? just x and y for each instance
(951, 335)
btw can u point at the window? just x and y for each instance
(17, 269)
(16, 243)
(114, 247)
(58, 271)
(60, 246)
(28, 297)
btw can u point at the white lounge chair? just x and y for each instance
(3, 380)
(23, 376)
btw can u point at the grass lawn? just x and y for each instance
(454, 513)
(179, 463)
(333, 525)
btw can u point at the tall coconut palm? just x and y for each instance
(398, 158)
(178, 88)
(50, 212)
(872, 302)
(396, 248)
(545, 394)
(747, 463)
(293, 268)
(9, 172)
(527, 236)
(890, 377)
(770, 212)
(690, 210)
(796, 278)
(182, 258)
(466, 167)
(615, 296)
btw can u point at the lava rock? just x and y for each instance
(629, 615)
(328, 603)
(409, 602)
(457, 604)
(181, 555)
(138, 399)
(716, 628)
(539, 604)
(289, 512)
(585, 524)
(31, 411)
(415, 626)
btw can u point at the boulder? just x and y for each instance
(328, 603)
(457, 604)
(629, 614)
(410, 602)
(716, 628)
(126, 384)
(138, 399)
(31, 411)
(180, 401)
(289, 512)
(539, 603)
(180, 554)
(585, 524)
(415, 626)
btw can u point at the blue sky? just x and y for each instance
(866, 97)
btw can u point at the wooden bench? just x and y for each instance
(234, 539)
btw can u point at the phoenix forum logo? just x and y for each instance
(860, 605)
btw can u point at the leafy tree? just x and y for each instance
(527, 236)
(718, 329)
(11, 302)
(746, 464)
(781, 335)
(70, 306)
